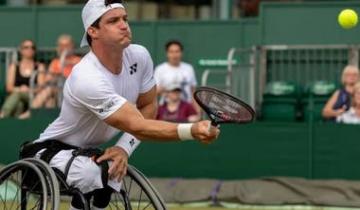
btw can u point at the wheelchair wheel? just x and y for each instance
(23, 186)
(136, 193)
(51, 178)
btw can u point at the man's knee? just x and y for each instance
(85, 174)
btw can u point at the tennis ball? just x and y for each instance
(347, 18)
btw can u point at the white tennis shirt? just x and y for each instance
(184, 74)
(92, 93)
(349, 117)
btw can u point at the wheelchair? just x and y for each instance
(30, 184)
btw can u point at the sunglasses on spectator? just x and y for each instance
(28, 47)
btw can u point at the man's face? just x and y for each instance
(114, 28)
(174, 54)
(173, 95)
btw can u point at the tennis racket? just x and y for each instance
(222, 107)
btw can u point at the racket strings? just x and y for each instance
(224, 108)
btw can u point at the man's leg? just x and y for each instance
(10, 104)
(41, 97)
(20, 107)
(77, 203)
(84, 174)
(102, 198)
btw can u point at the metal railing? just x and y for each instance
(306, 63)
(7, 56)
(250, 69)
(237, 77)
(242, 73)
(223, 84)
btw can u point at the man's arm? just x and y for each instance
(147, 104)
(128, 119)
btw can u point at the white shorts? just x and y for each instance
(84, 173)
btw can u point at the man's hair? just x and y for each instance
(107, 2)
(96, 24)
(174, 42)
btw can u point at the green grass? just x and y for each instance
(204, 206)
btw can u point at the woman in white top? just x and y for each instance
(352, 116)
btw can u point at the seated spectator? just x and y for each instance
(340, 101)
(174, 69)
(18, 82)
(57, 68)
(175, 109)
(352, 116)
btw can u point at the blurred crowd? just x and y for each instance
(31, 84)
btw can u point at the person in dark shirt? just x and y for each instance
(175, 109)
(340, 101)
(18, 82)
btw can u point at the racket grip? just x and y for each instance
(213, 123)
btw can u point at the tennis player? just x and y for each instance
(111, 89)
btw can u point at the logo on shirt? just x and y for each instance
(132, 142)
(106, 106)
(133, 69)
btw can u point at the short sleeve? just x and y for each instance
(193, 81)
(148, 80)
(157, 76)
(96, 94)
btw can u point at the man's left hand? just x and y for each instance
(119, 159)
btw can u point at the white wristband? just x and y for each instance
(128, 142)
(184, 131)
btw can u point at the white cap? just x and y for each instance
(92, 11)
(173, 86)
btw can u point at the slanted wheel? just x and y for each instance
(23, 186)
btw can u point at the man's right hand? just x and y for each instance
(200, 131)
(119, 159)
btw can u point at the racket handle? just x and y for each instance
(213, 123)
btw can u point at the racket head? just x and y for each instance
(222, 107)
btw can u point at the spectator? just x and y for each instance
(340, 101)
(352, 116)
(174, 70)
(249, 8)
(18, 82)
(175, 109)
(57, 68)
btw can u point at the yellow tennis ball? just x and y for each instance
(347, 18)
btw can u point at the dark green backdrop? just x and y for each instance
(246, 151)
(260, 149)
(278, 23)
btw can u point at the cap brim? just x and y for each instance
(174, 89)
(84, 41)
